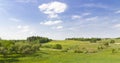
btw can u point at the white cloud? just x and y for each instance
(80, 16)
(57, 27)
(48, 23)
(23, 28)
(76, 17)
(53, 9)
(117, 26)
(95, 5)
(86, 14)
(27, 1)
(14, 20)
(117, 12)
(92, 18)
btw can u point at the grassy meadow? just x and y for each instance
(67, 54)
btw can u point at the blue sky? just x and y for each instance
(59, 19)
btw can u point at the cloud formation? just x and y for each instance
(57, 27)
(117, 26)
(92, 18)
(117, 12)
(76, 17)
(26, 1)
(95, 5)
(49, 23)
(23, 28)
(15, 20)
(53, 9)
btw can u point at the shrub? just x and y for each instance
(78, 51)
(65, 50)
(112, 41)
(106, 44)
(113, 51)
(57, 46)
(100, 47)
(36, 47)
(92, 51)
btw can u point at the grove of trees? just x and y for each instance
(38, 39)
(29, 46)
(92, 40)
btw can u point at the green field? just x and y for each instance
(50, 55)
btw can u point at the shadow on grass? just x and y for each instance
(14, 58)
(37, 54)
(8, 59)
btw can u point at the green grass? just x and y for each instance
(63, 57)
(74, 44)
(48, 55)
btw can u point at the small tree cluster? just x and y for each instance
(8, 47)
(38, 39)
(25, 48)
(93, 40)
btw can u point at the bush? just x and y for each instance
(78, 51)
(65, 50)
(112, 41)
(106, 44)
(113, 51)
(57, 46)
(92, 51)
(100, 47)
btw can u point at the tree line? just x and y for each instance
(85, 39)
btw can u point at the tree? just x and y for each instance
(38, 39)
(27, 48)
(9, 47)
(3, 51)
(93, 40)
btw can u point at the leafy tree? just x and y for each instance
(27, 48)
(9, 47)
(3, 51)
(38, 39)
